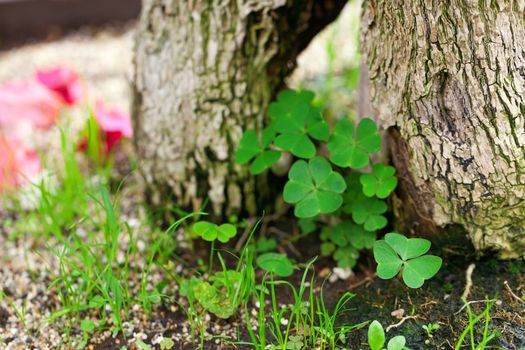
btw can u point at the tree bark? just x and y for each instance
(205, 70)
(447, 81)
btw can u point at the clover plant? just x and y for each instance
(397, 253)
(276, 263)
(332, 181)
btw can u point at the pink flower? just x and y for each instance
(17, 165)
(63, 81)
(114, 124)
(28, 101)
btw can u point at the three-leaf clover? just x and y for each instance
(397, 252)
(380, 182)
(211, 232)
(346, 256)
(250, 146)
(368, 211)
(296, 121)
(314, 188)
(265, 244)
(349, 148)
(276, 263)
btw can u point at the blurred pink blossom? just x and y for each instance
(28, 101)
(64, 81)
(114, 124)
(17, 164)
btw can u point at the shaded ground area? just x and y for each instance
(439, 302)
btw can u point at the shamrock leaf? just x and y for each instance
(397, 252)
(295, 343)
(314, 188)
(346, 232)
(417, 270)
(381, 182)
(327, 248)
(276, 263)
(296, 121)
(349, 148)
(346, 256)
(211, 232)
(388, 262)
(361, 238)
(266, 244)
(407, 248)
(250, 146)
(368, 211)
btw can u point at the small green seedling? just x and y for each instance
(396, 253)
(380, 182)
(278, 264)
(87, 327)
(314, 188)
(166, 344)
(376, 338)
(429, 328)
(349, 148)
(295, 342)
(211, 232)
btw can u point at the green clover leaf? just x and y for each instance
(349, 148)
(346, 257)
(380, 182)
(276, 263)
(327, 248)
(347, 233)
(368, 211)
(266, 244)
(314, 188)
(251, 147)
(397, 252)
(211, 232)
(296, 121)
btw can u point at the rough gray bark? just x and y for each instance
(205, 70)
(448, 82)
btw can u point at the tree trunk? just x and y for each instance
(447, 82)
(205, 70)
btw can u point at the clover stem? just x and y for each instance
(210, 265)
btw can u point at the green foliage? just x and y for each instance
(380, 182)
(344, 240)
(349, 148)
(296, 122)
(266, 244)
(211, 232)
(377, 338)
(276, 263)
(397, 252)
(429, 328)
(369, 212)
(251, 147)
(318, 186)
(314, 188)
